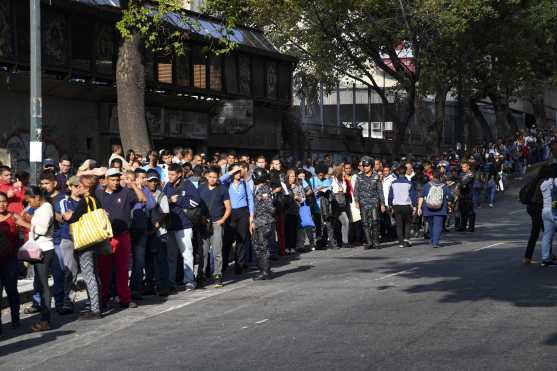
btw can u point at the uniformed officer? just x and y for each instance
(262, 224)
(369, 198)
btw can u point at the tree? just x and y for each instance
(142, 25)
(339, 38)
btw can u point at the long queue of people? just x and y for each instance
(177, 225)
(179, 220)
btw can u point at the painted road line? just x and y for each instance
(487, 247)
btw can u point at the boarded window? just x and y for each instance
(215, 73)
(245, 74)
(164, 70)
(182, 70)
(199, 61)
(231, 74)
(6, 30)
(104, 50)
(258, 67)
(81, 47)
(271, 80)
(55, 38)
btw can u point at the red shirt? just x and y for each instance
(8, 229)
(15, 203)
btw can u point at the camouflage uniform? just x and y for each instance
(368, 193)
(264, 222)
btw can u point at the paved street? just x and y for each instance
(471, 305)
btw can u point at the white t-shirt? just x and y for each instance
(42, 227)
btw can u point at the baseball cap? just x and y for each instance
(152, 175)
(113, 172)
(366, 160)
(49, 163)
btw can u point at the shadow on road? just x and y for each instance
(22, 345)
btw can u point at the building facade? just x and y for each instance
(200, 100)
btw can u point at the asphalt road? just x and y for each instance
(471, 305)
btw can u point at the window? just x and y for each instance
(258, 77)
(22, 29)
(271, 80)
(104, 49)
(231, 74)
(182, 70)
(199, 62)
(215, 73)
(284, 85)
(81, 49)
(149, 63)
(245, 74)
(164, 69)
(54, 38)
(6, 30)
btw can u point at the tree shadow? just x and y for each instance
(22, 345)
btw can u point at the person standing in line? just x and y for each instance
(64, 173)
(276, 178)
(81, 201)
(387, 228)
(534, 208)
(294, 195)
(262, 225)
(156, 260)
(182, 195)
(340, 203)
(8, 260)
(369, 197)
(240, 192)
(41, 229)
(322, 188)
(216, 202)
(466, 200)
(166, 157)
(434, 205)
(549, 212)
(118, 203)
(403, 200)
(153, 162)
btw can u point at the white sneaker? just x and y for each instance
(491, 206)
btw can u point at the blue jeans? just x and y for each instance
(491, 191)
(139, 244)
(435, 224)
(548, 232)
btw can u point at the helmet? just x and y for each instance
(260, 175)
(367, 160)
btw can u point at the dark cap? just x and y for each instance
(153, 175)
(366, 161)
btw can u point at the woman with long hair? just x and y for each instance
(295, 196)
(8, 260)
(41, 230)
(340, 202)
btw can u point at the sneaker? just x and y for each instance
(218, 282)
(190, 286)
(31, 310)
(547, 263)
(527, 261)
(131, 305)
(407, 243)
(491, 206)
(401, 246)
(436, 246)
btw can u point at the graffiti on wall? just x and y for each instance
(18, 147)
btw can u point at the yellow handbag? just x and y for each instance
(92, 228)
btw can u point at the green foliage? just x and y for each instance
(155, 22)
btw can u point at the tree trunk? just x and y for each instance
(538, 105)
(130, 84)
(439, 120)
(479, 117)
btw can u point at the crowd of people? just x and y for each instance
(180, 220)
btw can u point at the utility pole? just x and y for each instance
(36, 103)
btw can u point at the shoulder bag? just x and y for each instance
(92, 228)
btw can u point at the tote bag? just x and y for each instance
(306, 220)
(30, 252)
(92, 228)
